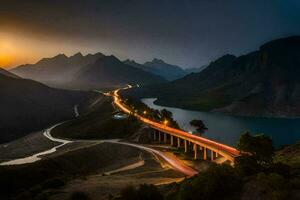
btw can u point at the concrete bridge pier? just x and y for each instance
(172, 140)
(165, 138)
(159, 137)
(154, 135)
(214, 155)
(178, 142)
(204, 153)
(195, 148)
(185, 146)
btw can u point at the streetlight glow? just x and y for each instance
(166, 122)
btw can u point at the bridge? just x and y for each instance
(176, 137)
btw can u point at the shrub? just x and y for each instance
(79, 196)
(218, 182)
(53, 183)
(144, 192)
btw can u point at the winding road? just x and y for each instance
(37, 156)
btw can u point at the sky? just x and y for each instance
(188, 33)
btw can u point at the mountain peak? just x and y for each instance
(112, 57)
(283, 43)
(158, 61)
(61, 56)
(79, 54)
(130, 61)
(108, 60)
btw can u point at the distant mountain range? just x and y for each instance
(85, 72)
(159, 67)
(265, 82)
(57, 70)
(109, 71)
(28, 106)
(195, 69)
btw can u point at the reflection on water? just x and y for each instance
(226, 128)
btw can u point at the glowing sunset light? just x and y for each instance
(5, 60)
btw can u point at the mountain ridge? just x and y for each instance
(28, 106)
(261, 83)
(112, 72)
(159, 67)
(55, 70)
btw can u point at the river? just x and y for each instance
(227, 128)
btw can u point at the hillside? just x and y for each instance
(108, 71)
(7, 73)
(159, 67)
(262, 83)
(28, 106)
(58, 70)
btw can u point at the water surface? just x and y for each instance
(227, 129)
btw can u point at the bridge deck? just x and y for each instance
(220, 148)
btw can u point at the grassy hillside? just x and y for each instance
(289, 155)
(98, 122)
(28, 106)
(30, 180)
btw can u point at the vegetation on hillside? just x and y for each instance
(256, 175)
(162, 116)
(98, 123)
(31, 181)
(261, 83)
(200, 126)
(27, 106)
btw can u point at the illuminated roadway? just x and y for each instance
(226, 151)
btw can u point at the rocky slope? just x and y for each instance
(58, 70)
(262, 83)
(109, 71)
(28, 106)
(161, 68)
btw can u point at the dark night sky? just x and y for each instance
(189, 33)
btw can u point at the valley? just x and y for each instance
(262, 83)
(145, 100)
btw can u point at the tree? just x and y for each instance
(199, 124)
(167, 115)
(256, 154)
(259, 146)
(144, 192)
(218, 182)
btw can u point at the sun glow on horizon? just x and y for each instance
(7, 52)
(17, 49)
(5, 60)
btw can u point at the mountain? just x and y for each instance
(109, 71)
(7, 73)
(195, 69)
(265, 82)
(28, 106)
(159, 67)
(57, 70)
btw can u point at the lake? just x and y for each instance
(227, 129)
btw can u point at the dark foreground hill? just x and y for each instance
(7, 73)
(109, 71)
(28, 106)
(262, 83)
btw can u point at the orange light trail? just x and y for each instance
(176, 132)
